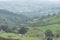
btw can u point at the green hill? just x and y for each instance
(8, 16)
(54, 19)
(38, 27)
(11, 20)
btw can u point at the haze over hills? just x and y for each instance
(46, 21)
(28, 8)
(30, 19)
(11, 17)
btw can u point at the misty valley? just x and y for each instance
(29, 20)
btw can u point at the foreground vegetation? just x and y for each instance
(44, 28)
(36, 33)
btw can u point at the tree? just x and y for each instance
(3, 27)
(49, 33)
(23, 30)
(49, 39)
(48, 15)
(53, 14)
(57, 33)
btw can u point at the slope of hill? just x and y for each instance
(54, 19)
(12, 18)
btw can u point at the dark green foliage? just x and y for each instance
(4, 27)
(23, 30)
(12, 17)
(57, 33)
(10, 20)
(11, 29)
(49, 15)
(49, 33)
(49, 39)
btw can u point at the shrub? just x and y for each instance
(49, 33)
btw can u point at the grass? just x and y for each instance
(9, 35)
(29, 38)
(40, 30)
(14, 36)
(32, 32)
(51, 27)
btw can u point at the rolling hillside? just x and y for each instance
(12, 18)
(54, 19)
(37, 26)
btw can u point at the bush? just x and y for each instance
(49, 33)
(57, 33)
(49, 39)
(23, 30)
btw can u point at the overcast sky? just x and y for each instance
(32, 0)
(30, 4)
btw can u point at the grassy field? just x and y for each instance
(54, 28)
(51, 27)
(15, 36)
